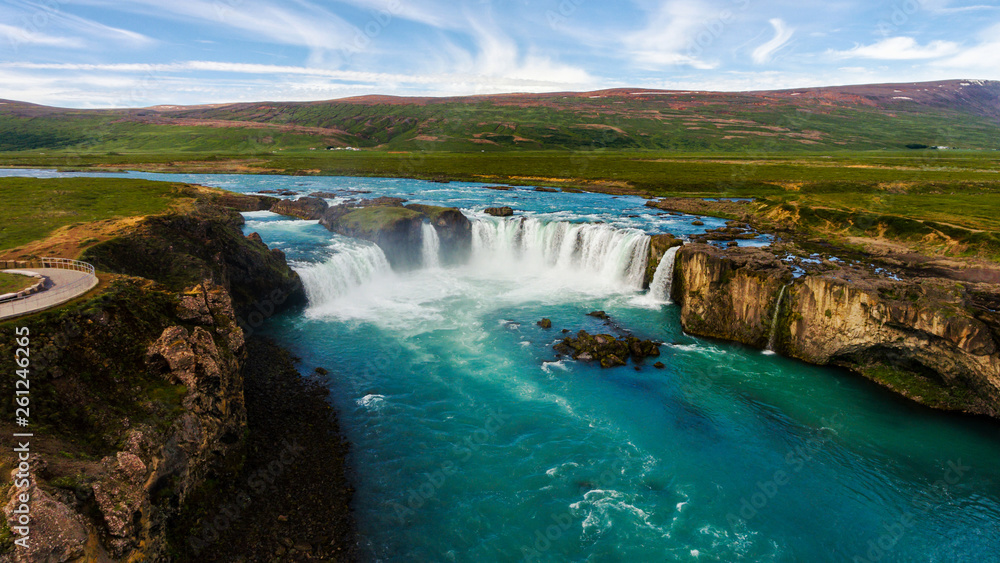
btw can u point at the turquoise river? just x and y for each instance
(470, 442)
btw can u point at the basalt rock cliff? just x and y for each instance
(139, 391)
(933, 340)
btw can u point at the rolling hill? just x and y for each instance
(960, 114)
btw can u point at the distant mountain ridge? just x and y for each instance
(953, 113)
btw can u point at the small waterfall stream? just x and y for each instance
(773, 337)
(431, 249)
(663, 279)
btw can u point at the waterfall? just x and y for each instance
(609, 253)
(431, 248)
(353, 265)
(773, 337)
(663, 280)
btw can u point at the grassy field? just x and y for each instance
(948, 199)
(34, 208)
(655, 172)
(11, 283)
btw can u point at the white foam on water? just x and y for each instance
(561, 365)
(259, 214)
(372, 402)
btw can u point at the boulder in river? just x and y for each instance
(499, 211)
(304, 208)
(606, 349)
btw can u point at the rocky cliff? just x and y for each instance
(930, 339)
(139, 391)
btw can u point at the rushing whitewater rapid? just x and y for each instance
(575, 257)
(352, 264)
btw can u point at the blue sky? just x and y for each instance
(112, 53)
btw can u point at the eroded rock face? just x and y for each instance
(926, 339)
(139, 485)
(58, 533)
(729, 294)
(927, 328)
(165, 420)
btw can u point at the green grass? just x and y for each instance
(956, 193)
(34, 208)
(375, 219)
(11, 283)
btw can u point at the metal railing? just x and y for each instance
(37, 301)
(60, 263)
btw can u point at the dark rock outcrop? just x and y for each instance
(606, 349)
(309, 208)
(183, 249)
(245, 202)
(499, 211)
(928, 339)
(453, 229)
(396, 230)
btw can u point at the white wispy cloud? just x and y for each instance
(899, 49)
(670, 36)
(296, 23)
(782, 35)
(48, 25)
(16, 36)
(136, 84)
(441, 15)
(499, 56)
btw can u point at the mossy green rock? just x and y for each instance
(397, 230)
(454, 230)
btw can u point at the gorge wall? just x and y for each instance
(931, 339)
(140, 389)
